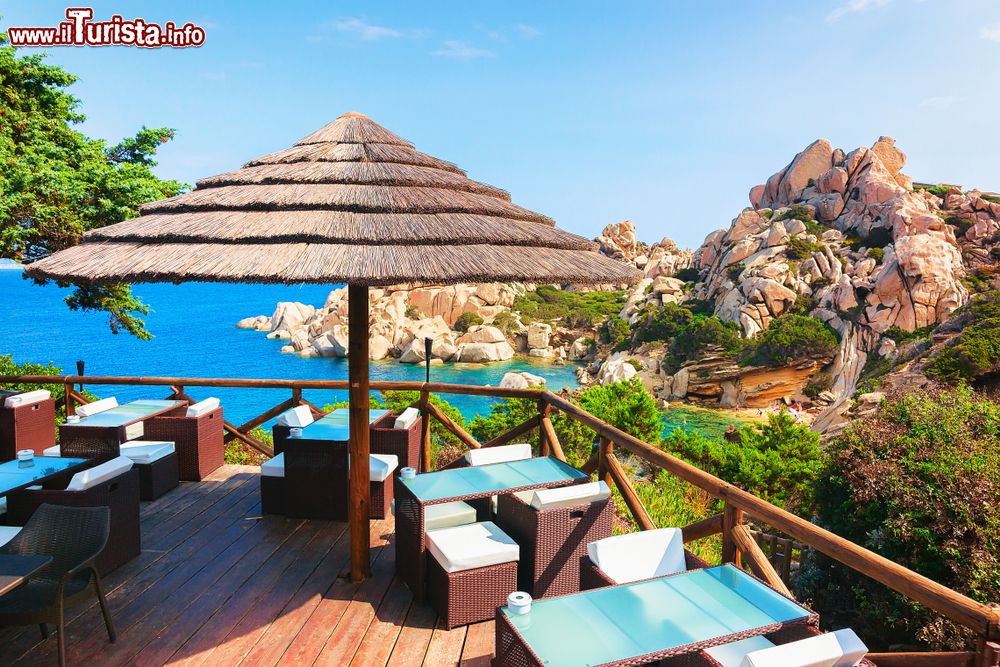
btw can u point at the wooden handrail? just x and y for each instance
(983, 619)
(757, 560)
(701, 529)
(526, 426)
(980, 618)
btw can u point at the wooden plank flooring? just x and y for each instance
(219, 584)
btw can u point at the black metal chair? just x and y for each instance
(73, 537)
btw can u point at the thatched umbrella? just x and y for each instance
(350, 203)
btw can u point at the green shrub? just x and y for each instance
(688, 275)
(466, 321)
(777, 461)
(735, 271)
(899, 335)
(790, 337)
(615, 331)
(696, 339)
(919, 483)
(798, 212)
(636, 364)
(506, 322)
(936, 190)
(817, 384)
(574, 309)
(445, 446)
(663, 323)
(994, 199)
(9, 367)
(976, 350)
(800, 248)
(803, 304)
(414, 313)
(876, 254)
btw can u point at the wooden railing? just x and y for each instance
(740, 545)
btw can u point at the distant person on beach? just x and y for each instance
(732, 435)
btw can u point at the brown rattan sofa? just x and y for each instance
(554, 540)
(30, 426)
(119, 492)
(199, 440)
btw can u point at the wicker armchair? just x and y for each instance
(198, 437)
(642, 553)
(554, 535)
(29, 425)
(73, 537)
(117, 490)
(403, 443)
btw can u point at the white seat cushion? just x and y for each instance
(471, 546)
(7, 533)
(381, 466)
(842, 648)
(202, 407)
(447, 515)
(568, 496)
(97, 406)
(91, 477)
(51, 451)
(407, 418)
(273, 467)
(502, 454)
(731, 654)
(27, 398)
(298, 417)
(144, 452)
(636, 556)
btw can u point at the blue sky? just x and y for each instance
(592, 112)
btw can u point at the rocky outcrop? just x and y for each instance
(521, 380)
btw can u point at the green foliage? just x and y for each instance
(574, 309)
(56, 183)
(506, 322)
(663, 323)
(817, 384)
(803, 304)
(414, 313)
(798, 212)
(239, 453)
(445, 447)
(467, 320)
(735, 271)
(993, 199)
(688, 275)
(636, 364)
(876, 254)
(800, 248)
(694, 340)
(936, 190)
(615, 331)
(919, 483)
(777, 461)
(899, 335)
(976, 350)
(766, 213)
(791, 337)
(9, 367)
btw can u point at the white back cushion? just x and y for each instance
(731, 654)
(487, 455)
(51, 451)
(833, 649)
(202, 407)
(407, 418)
(299, 416)
(567, 496)
(380, 466)
(27, 398)
(97, 406)
(642, 555)
(91, 477)
(274, 466)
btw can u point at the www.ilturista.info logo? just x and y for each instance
(79, 30)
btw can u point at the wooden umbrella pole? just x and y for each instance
(357, 375)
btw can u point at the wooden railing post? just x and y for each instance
(988, 654)
(68, 398)
(297, 395)
(603, 452)
(544, 446)
(425, 431)
(731, 518)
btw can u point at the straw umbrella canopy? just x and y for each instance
(350, 203)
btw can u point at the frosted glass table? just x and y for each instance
(17, 475)
(466, 484)
(100, 435)
(335, 427)
(646, 620)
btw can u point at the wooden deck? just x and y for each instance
(219, 584)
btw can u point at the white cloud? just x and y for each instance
(214, 76)
(854, 7)
(990, 32)
(527, 31)
(457, 49)
(940, 102)
(364, 30)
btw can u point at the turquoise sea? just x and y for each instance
(195, 336)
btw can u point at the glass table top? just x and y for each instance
(128, 413)
(336, 425)
(487, 479)
(619, 622)
(15, 474)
